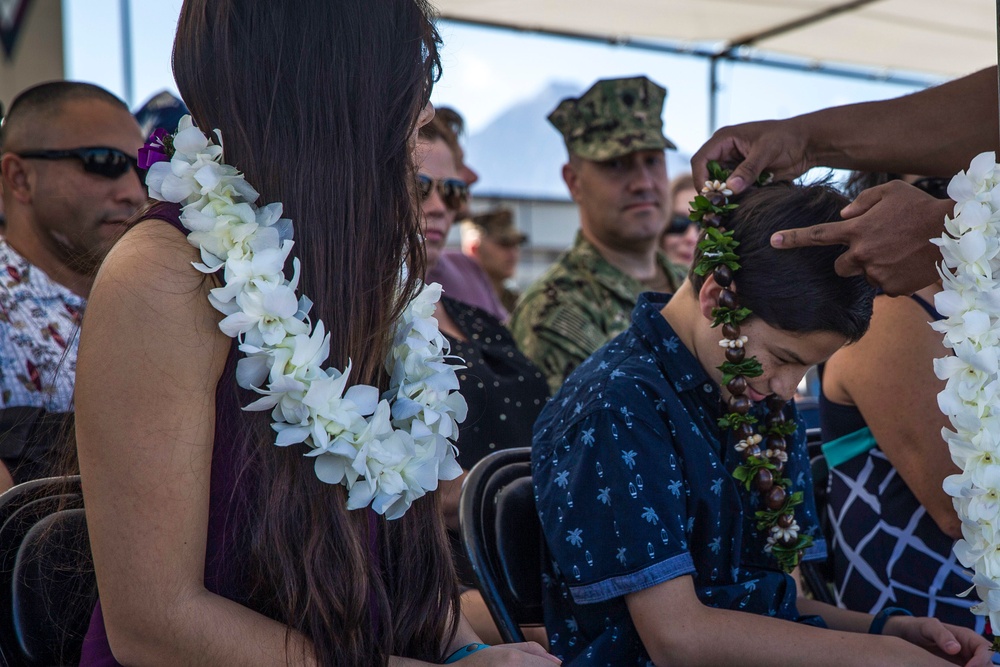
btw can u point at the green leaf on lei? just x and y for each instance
(788, 557)
(716, 172)
(722, 315)
(783, 429)
(733, 420)
(748, 368)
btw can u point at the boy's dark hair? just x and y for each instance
(794, 290)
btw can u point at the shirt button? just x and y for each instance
(707, 387)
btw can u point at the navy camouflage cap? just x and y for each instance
(615, 117)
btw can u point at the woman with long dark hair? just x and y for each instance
(211, 545)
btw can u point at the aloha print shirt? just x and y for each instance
(39, 324)
(634, 487)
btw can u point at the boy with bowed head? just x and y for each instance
(656, 544)
(211, 545)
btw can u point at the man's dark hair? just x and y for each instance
(45, 99)
(794, 290)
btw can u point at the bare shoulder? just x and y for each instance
(150, 270)
(152, 304)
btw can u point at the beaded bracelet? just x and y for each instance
(464, 652)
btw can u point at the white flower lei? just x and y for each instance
(970, 305)
(389, 450)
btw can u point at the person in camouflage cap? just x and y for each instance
(617, 175)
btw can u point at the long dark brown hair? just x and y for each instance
(316, 102)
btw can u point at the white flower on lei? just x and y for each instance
(970, 306)
(387, 451)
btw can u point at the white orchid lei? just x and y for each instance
(970, 305)
(387, 450)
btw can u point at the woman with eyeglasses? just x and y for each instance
(680, 238)
(893, 525)
(212, 545)
(504, 390)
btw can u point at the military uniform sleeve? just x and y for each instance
(552, 329)
(610, 506)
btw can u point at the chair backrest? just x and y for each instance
(503, 539)
(47, 585)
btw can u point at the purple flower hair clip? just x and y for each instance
(156, 149)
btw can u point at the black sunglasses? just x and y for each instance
(678, 224)
(454, 193)
(99, 160)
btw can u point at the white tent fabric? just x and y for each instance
(947, 38)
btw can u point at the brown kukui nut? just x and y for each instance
(774, 418)
(775, 498)
(723, 275)
(711, 220)
(775, 403)
(775, 442)
(731, 331)
(740, 404)
(779, 466)
(735, 354)
(745, 431)
(727, 299)
(737, 386)
(751, 451)
(786, 520)
(763, 480)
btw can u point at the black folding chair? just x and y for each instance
(503, 539)
(47, 584)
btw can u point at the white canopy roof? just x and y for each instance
(942, 37)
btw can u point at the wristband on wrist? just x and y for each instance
(465, 651)
(879, 620)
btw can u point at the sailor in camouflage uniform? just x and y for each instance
(618, 177)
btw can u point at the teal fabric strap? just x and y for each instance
(846, 447)
(465, 651)
(878, 623)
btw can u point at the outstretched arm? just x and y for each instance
(935, 132)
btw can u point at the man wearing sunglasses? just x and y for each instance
(493, 242)
(617, 175)
(68, 168)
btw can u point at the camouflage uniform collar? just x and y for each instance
(586, 255)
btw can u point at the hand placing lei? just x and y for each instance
(763, 447)
(386, 450)
(970, 306)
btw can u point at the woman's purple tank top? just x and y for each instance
(223, 575)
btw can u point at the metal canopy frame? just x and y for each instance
(740, 50)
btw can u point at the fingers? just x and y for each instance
(719, 148)
(865, 201)
(848, 265)
(939, 634)
(747, 172)
(983, 656)
(830, 233)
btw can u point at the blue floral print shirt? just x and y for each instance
(634, 487)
